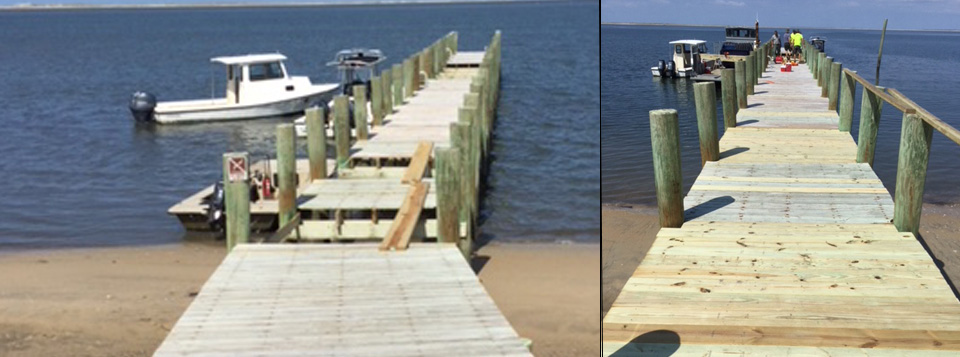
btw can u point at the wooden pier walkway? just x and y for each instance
(786, 248)
(411, 176)
(343, 300)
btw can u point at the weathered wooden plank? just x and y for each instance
(419, 163)
(398, 237)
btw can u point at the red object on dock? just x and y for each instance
(786, 68)
(779, 59)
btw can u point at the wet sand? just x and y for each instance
(123, 301)
(628, 233)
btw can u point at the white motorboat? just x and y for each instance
(257, 86)
(686, 61)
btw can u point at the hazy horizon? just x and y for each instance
(902, 14)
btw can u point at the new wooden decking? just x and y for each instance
(786, 249)
(343, 300)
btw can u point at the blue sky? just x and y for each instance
(903, 14)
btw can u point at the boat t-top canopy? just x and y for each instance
(687, 42)
(249, 59)
(357, 57)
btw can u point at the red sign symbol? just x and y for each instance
(237, 168)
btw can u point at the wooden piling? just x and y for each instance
(825, 73)
(286, 173)
(387, 78)
(665, 138)
(448, 194)
(915, 138)
(408, 81)
(740, 70)
(427, 63)
(341, 129)
(847, 95)
(751, 73)
(870, 110)
(316, 143)
(706, 101)
(360, 111)
(834, 86)
(818, 73)
(376, 99)
(729, 94)
(458, 141)
(236, 199)
(397, 81)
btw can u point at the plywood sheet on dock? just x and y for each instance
(464, 58)
(343, 300)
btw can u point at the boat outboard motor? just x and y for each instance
(671, 69)
(141, 105)
(216, 215)
(662, 68)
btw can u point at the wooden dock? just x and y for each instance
(785, 246)
(408, 175)
(343, 300)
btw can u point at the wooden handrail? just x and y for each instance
(946, 129)
(907, 109)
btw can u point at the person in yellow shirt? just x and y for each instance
(797, 40)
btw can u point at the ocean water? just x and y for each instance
(918, 64)
(78, 172)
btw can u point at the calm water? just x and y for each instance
(78, 172)
(920, 65)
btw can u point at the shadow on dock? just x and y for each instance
(711, 205)
(659, 343)
(728, 153)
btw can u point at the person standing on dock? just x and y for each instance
(776, 43)
(797, 41)
(786, 43)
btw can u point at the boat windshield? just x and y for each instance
(741, 33)
(263, 71)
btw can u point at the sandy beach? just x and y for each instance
(123, 301)
(629, 231)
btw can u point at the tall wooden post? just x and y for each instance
(397, 72)
(665, 138)
(458, 141)
(426, 64)
(387, 78)
(825, 73)
(729, 93)
(915, 138)
(706, 100)
(751, 72)
(341, 129)
(360, 111)
(376, 100)
(835, 70)
(740, 70)
(408, 81)
(316, 143)
(870, 108)
(236, 191)
(448, 194)
(286, 173)
(818, 74)
(847, 86)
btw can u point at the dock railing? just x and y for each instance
(915, 137)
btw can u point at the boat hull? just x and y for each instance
(276, 108)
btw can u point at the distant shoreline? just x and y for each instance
(767, 27)
(247, 5)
